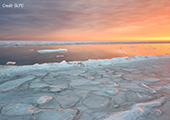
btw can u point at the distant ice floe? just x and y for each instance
(60, 56)
(49, 43)
(11, 63)
(52, 50)
(31, 50)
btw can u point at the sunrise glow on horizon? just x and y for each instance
(86, 20)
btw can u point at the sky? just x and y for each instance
(86, 20)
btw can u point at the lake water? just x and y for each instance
(29, 55)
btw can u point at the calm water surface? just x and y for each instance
(29, 55)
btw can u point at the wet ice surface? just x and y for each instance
(135, 88)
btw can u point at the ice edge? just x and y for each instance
(93, 62)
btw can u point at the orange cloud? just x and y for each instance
(87, 20)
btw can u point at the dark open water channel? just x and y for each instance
(29, 55)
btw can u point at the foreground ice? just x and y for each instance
(52, 50)
(135, 88)
(138, 111)
(18, 109)
(14, 83)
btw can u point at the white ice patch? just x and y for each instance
(52, 50)
(60, 56)
(148, 89)
(151, 80)
(11, 63)
(111, 91)
(44, 99)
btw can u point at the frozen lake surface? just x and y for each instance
(29, 55)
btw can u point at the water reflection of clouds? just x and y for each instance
(22, 55)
